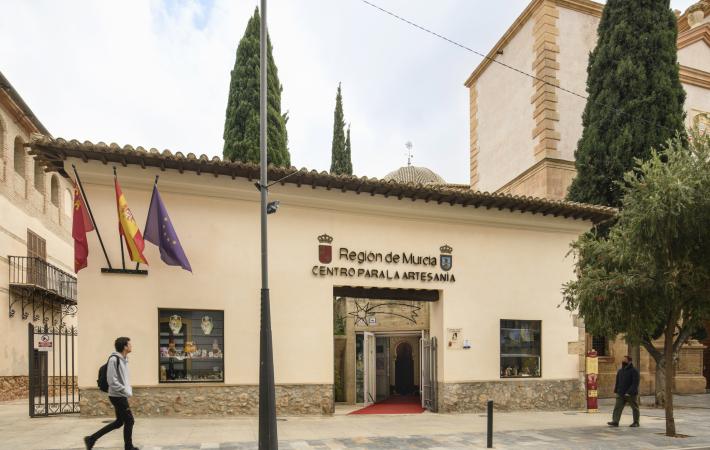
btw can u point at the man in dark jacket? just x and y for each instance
(626, 390)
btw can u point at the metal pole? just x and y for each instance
(489, 430)
(120, 229)
(267, 398)
(91, 215)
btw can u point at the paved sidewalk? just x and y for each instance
(549, 430)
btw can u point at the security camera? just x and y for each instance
(271, 207)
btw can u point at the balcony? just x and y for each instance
(40, 290)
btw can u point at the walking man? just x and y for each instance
(119, 389)
(626, 390)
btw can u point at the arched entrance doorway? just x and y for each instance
(404, 369)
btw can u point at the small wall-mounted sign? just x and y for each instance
(372, 320)
(44, 342)
(466, 344)
(454, 338)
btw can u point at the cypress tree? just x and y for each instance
(339, 160)
(635, 98)
(241, 126)
(348, 154)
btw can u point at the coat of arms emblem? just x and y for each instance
(325, 250)
(445, 260)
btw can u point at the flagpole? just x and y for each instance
(146, 220)
(267, 398)
(91, 214)
(120, 233)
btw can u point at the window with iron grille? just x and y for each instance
(600, 344)
(37, 254)
(36, 246)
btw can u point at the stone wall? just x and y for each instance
(689, 377)
(511, 395)
(214, 400)
(13, 387)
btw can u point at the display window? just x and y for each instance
(190, 345)
(520, 348)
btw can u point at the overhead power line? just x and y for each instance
(507, 66)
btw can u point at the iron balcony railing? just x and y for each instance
(35, 273)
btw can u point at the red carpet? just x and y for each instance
(396, 404)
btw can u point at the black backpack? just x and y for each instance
(102, 381)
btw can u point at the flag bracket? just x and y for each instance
(124, 271)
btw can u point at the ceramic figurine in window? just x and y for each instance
(163, 373)
(175, 323)
(215, 349)
(207, 324)
(190, 347)
(171, 346)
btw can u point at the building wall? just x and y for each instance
(217, 221)
(559, 37)
(25, 203)
(580, 38)
(505, 115)
(697, 101)
(696, 55)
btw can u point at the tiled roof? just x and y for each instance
(416, 175)
(53, 152)
(25, 110)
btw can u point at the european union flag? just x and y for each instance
(159, 230)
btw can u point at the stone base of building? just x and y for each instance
(214, 400)
(14, 387)
(511, 395)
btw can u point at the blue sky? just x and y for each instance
(156, 73)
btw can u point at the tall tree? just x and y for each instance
(348, 153)
(241, 126)
(650, 277)
(339, 159)
(635, 98)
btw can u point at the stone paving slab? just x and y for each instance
(554, 431)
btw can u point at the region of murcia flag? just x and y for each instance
(128, 228)
(81, 224)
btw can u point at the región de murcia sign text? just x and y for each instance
(355, 263)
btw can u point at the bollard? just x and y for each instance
(489, 437)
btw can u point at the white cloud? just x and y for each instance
(156, 73)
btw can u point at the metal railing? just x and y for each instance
(33, 271)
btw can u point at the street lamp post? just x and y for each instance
(267, 398)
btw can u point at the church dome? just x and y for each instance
(415, 175)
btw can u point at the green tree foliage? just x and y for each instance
(650, 276)
(241, 126)
(635, 98)
(339, 152)
(348, 154)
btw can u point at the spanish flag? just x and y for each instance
(128, 228)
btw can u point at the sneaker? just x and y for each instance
(613, 424)
(88, 442)
(634, 425)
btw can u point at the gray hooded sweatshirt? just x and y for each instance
(119, 381)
